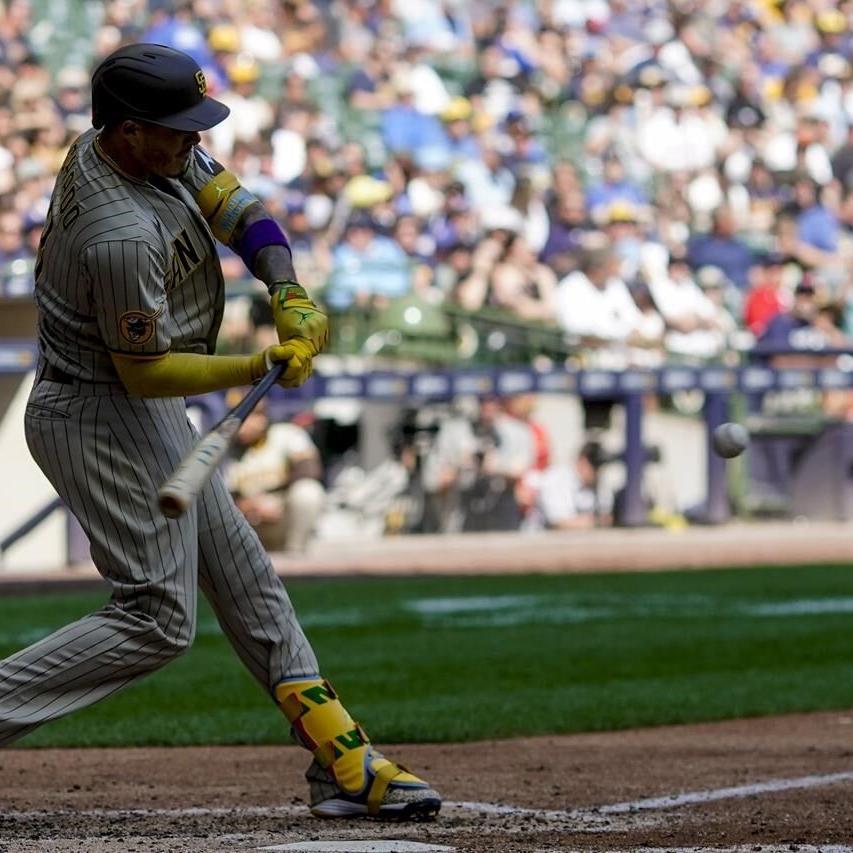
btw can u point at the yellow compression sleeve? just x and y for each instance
(181, 374)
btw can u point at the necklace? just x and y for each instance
(109, 160)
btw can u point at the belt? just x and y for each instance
(85, 387)
(52, 373)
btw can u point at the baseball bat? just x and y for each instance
(197, 467)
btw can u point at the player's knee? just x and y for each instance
(177, 635)
(175, 643)
(170, 632)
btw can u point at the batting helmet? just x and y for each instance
(153, 84)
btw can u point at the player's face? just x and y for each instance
(166, 152)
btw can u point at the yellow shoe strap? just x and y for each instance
(381, 780)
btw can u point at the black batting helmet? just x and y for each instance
(154, 84)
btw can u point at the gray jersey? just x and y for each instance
(130, 266)
(125, 266)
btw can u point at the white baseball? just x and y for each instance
(730, 440)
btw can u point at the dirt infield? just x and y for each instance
(773, 784)
(767, 784)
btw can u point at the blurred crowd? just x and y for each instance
(652, 179)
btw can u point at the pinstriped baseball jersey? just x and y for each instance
(125, 265)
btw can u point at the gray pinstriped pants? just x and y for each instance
(106, 454)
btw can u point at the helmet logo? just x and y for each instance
(202, 83)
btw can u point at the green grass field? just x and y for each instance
(451, 659)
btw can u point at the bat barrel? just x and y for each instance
(191, 476)
(172, 503)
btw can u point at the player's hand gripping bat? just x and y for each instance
(197, 467)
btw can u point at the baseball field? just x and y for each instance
(612, 711)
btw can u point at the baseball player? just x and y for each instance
(130, 298)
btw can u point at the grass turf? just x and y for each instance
(451, 659)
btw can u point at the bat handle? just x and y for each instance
(251, 399)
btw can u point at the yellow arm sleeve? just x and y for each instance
(181, 374)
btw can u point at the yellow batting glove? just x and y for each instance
(297, 353)
(296, 316)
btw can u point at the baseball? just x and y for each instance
(730, 440)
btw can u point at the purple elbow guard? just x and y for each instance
(259, 235)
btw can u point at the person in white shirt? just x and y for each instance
(596, 307)
(693, 330)
(567, 495)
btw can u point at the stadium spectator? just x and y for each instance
(817, 226)
(174, 24)
(251, 114)
(595, 307)
(808, 325)
(766, 297)
(568, 222)
(405, 127)
(459, 139)
(693, 327)
(842, 161)
(722, 248)
(522, 285)
(456, 266)
(488, 182)
(369, 85)
(650, 328)
(12, 243)
(620, 223)
(614, 187)
(522, 147)
(367, 268)
(722, 294)
(419, 248)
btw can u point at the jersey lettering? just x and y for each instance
(185, 258)
(69, 210)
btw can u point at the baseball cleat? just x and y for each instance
(348, 776)
(390, 793)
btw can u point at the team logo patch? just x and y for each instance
(137, 327)
(201, 82)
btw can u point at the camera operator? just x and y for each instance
(474, 467)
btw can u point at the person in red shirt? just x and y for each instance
(766, 297)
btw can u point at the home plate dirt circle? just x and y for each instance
(361, 847)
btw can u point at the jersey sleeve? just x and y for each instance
(200, 170)
(128, 289)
